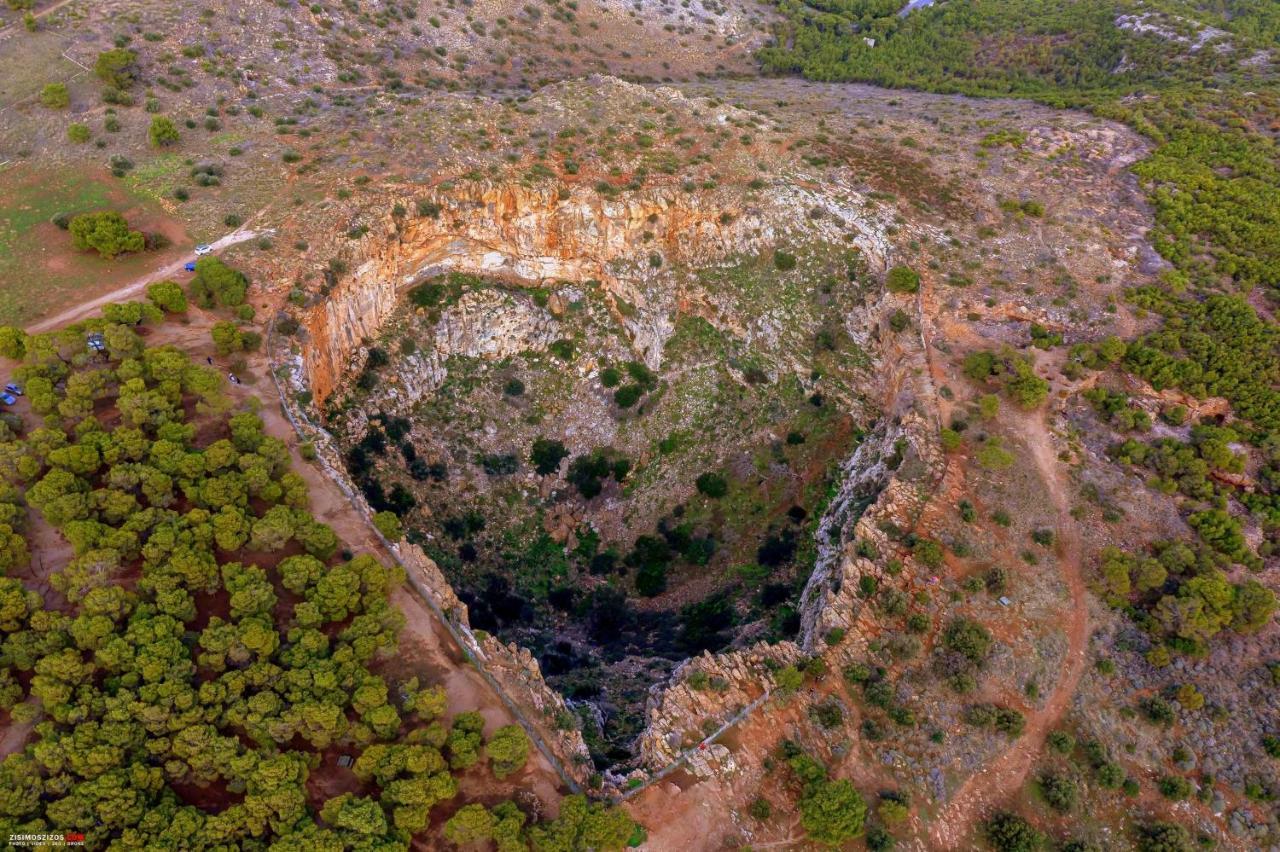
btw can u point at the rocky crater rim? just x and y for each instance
(534, 235)
(530, 236)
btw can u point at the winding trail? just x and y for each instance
(1005, 775)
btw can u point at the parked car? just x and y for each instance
(97, 342)
(8, 398)
(203, 249)
(190, 266)
(16, 390)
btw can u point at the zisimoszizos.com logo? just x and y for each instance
(66, 838)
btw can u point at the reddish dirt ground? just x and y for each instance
(426, 648)
(953, 826)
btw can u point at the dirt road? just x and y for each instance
(426, 647)
(1006, 774)
(136, 286)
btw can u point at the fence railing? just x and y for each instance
(469, 647)
(692, 750)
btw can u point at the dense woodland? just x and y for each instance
(209, 649)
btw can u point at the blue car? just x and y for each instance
(191, 266)
(8, 398)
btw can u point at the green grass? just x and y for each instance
(39, 270)
(158, 177)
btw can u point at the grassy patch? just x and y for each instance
(31, 61)
(40, 272)
(157, 177)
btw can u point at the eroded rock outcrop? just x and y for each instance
(625, 247)
(534, 234)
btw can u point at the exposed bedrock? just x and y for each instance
(529, 235)
(627, 246)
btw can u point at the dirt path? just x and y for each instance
(1005, 775)
(49, 10)
(135, 287)
(12, 29)
(426, 647)
(14, 737)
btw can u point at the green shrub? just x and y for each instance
(546, 455)
(788, 679)
(162, 132)
(968, 638)
(651, 580)
(508, 750)
(1061, 742)
(1008, 832)
(389, 525)
(1059, 791)
(902, 279)
(712, 485)
(828, 714)
(79, 133)
(167, 296)
(894, 807)
(627, 395)
(216, 283)
(928, 553)
(832, 812)
(116, 67)
(55, 96)
(1164, 837)
(1174, 787)
(105, 232)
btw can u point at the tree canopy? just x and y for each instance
(105, 232)
(207, 642)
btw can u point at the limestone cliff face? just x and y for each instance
(896, 469)
(482, 324)
(536, 234)
(625, 245)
